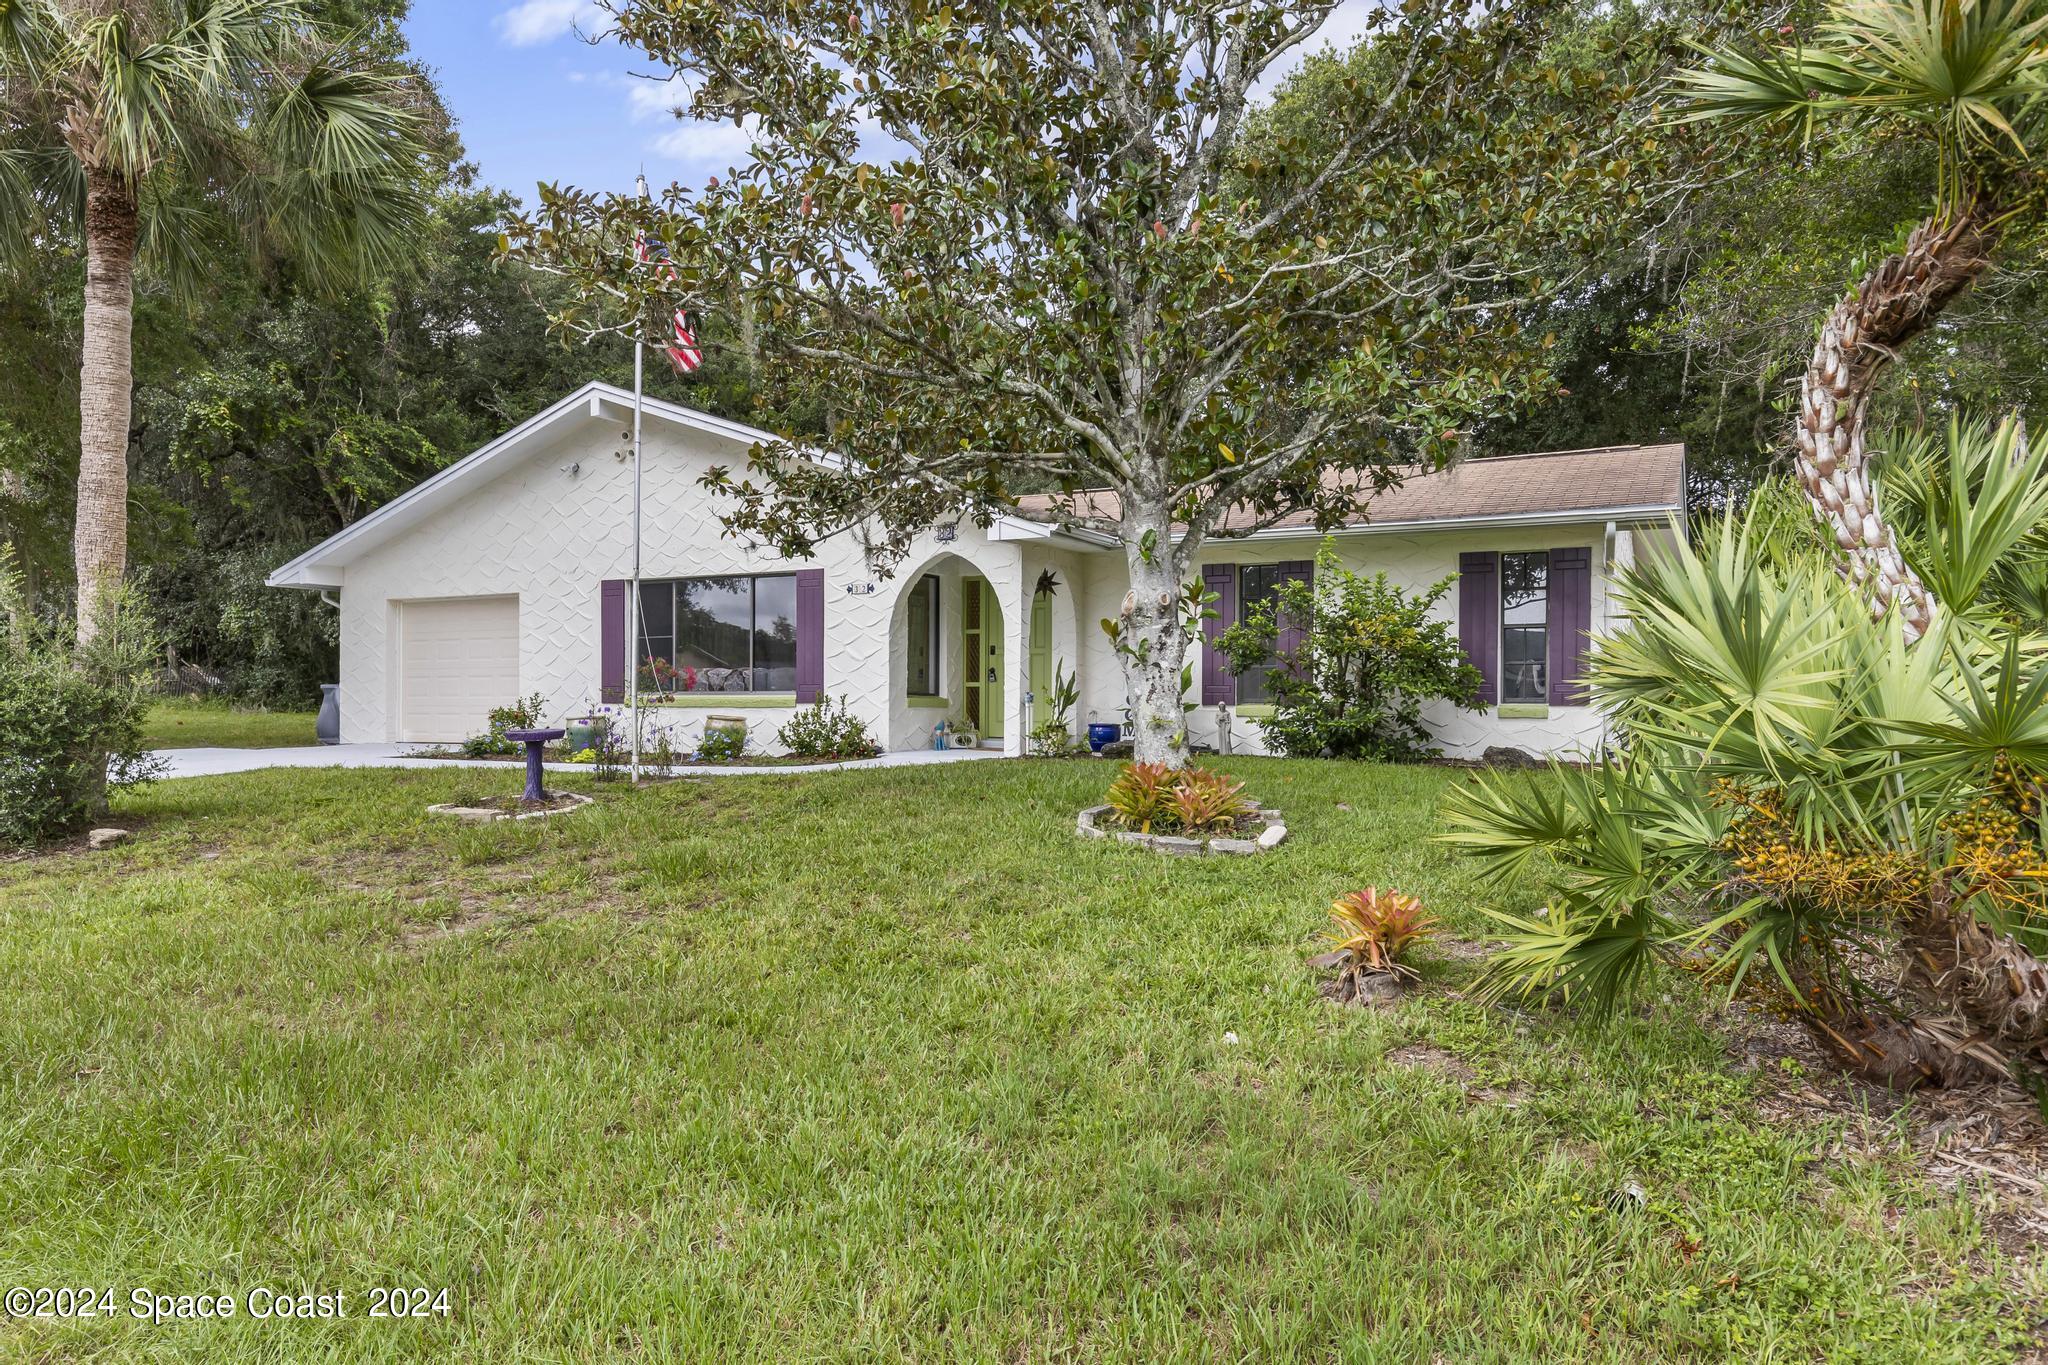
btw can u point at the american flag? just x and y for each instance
(682, 349)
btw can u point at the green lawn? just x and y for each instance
(884, 1065)
(185, 723)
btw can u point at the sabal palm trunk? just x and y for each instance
(1896, 302)
(1989, 995)
(100, 541)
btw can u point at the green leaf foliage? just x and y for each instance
(1369, 658)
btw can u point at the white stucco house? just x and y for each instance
(507, 575)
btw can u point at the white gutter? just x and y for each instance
(1024, 528)
(1576, 516)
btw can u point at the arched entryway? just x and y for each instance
(956, 650)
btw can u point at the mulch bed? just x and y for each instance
(1988, 1143)
(1992, 1137)
(1247, 827)
(75, 845)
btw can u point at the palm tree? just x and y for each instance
(1967, 75)
(170, 132)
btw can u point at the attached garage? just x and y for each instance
(457, 658)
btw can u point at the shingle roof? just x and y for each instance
(1642, 479)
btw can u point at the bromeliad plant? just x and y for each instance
(1821, 807)
(1153, 798)
(1373, 929)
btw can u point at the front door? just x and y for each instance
(981, 631)
(1041, 659)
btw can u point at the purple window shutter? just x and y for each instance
(1479, 619)
(611, 640)
(810, 635)
(1292, 632)
(1571, 623)
(1219, 684)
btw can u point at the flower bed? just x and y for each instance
(510, 808)
(1261, 832)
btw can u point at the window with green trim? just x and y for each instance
(735, 633)
(1525, 628)
(922, 624)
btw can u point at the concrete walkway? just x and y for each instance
(217, 762)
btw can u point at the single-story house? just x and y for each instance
(507, 574)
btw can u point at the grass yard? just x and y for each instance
(885, 1065)
(189, 723)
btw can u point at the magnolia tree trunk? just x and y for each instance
(100, 542)
(1154, 643)
(1895, 302)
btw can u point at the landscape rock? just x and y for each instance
(106, 838)
(1506, 756)
(1272, 836)
(1178, 845)
(1239, 847)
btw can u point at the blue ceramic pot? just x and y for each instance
(1103, 732)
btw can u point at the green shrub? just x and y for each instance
(721, 744)
(826, 730)
(523, 714)
(70, 718)
(1370, 657)
(1055, 738)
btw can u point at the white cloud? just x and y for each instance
(649, 98)
(1349, 24)
(697, 143)
(532, 22)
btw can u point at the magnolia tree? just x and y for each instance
(1058, 247)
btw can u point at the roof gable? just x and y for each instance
(319, 567)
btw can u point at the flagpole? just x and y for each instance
(633, 634)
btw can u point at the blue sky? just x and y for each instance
(534, 101)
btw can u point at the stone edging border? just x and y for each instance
(1087, 825)
(483, 815)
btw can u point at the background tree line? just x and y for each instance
(268, 414)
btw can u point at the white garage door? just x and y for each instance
(458, 657)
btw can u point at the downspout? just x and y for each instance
(1608, 541)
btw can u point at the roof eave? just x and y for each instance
(1506, 520)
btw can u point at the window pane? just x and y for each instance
(657, 640)
(921, 621)
(1524, 664)
(1524, 614)
(714, 628)
(1256, 583)
(775, 634)
(1524, 589)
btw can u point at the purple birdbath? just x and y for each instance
(535, 741)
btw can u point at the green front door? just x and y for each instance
(981, 632)
(1041, 659)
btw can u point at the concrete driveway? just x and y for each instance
(216, 762)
